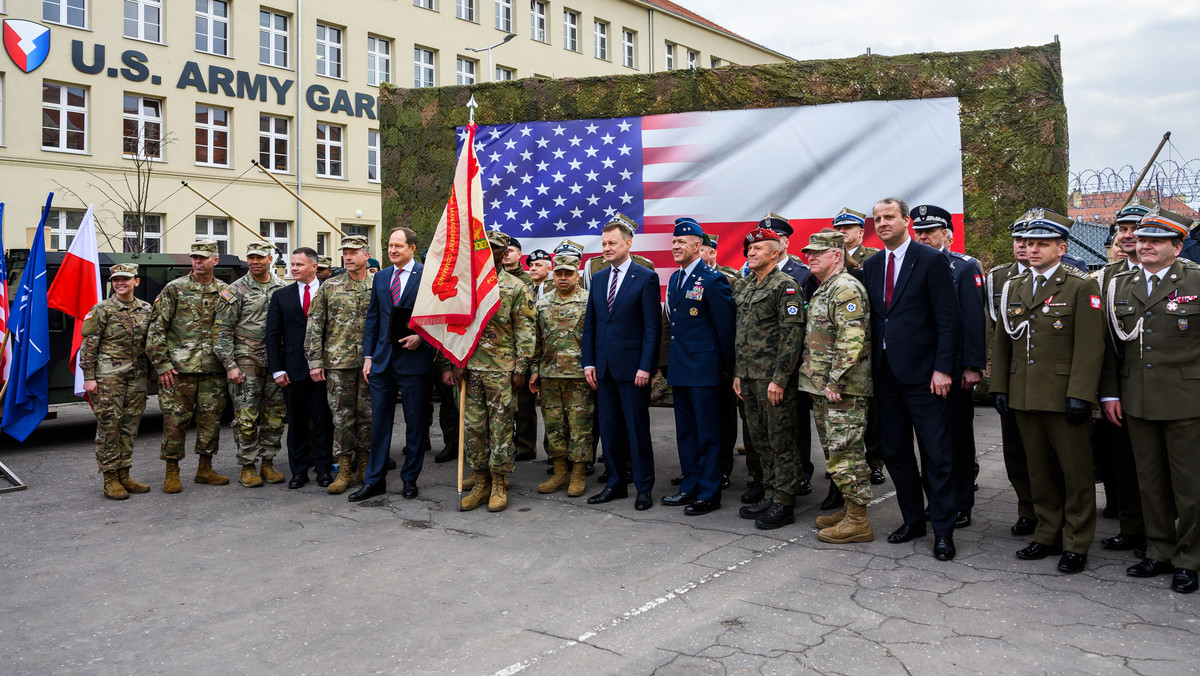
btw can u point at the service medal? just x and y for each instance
(1183, 324)
(693, 312)
(1172, 306)
(1045, 309)
(1057, 324)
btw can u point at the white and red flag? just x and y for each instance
(459, 290)
(76, 287)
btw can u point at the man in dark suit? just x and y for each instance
(915, 332)
(396, 364)
(620, 351)
(699, 325)
(308, 438)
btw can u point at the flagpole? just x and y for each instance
(227, 214)
(298, 197)
(462, 418)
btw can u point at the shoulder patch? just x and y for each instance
(979, 281)
(88, 315)
(1095, 301)
(227, 294)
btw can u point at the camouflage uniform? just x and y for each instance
(334, 342)
(180, 337)
(521, 274)
(567, 401)
(767, 345)
(837, 353)
(240, 342)
(113, 354)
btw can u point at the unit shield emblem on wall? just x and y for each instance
(27, 43)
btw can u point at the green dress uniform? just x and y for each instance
(113, 354)
(854, 259)
(1016, 466)
(568, 404)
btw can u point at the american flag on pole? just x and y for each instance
(545, 181)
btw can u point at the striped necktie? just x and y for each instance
(612, 287)
(397, 287)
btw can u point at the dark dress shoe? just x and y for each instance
(1149, 568)
(925, 514)
(1140, 550)
(724, 481)
(701, 507)
(756, 510)
(1184, 581)
(1110, 512)
(753, 494)
(628, 477)
(298, 480)
(1122, 542)
(943, 548)
(1036, 551)
(877, 476)
(678, 500)
(906, 532)
(609, 494)
(410, 490)
(678, 480)
(324, 479)
(589, 469)
(1023, 526)
(804, 487)
(643, 501)
(1071, 562)
(777, 516)
(963, 519)
(368, 491)
(446, 455)
(603, 478)
(390, 464)
(523, 456)
(834, 499)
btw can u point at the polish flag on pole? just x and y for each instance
(76, 288)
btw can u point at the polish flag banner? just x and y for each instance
(459, 291)
(76, 287)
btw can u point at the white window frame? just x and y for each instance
(64, 111)
(141, 8)
(330, 51)
(379, 60)
(59, 12)
(600, 37)
(570, 30)
(62, 225)
(504, 74)
(423, 67)
(373, 165)
(669, 56)
(330, 147)
(466, 70)
(628, 48)
(322, 244)
(212, 19)
(538, 30)
(129, 237)
(283, 245)
(424, 4)
(144, 122)
(272, 137)
(357, 229)
(274, 35)
(465, 10)
(209, 231)
(504, 15)
(211, 129)
(693, 59)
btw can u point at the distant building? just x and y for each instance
(1102, 207)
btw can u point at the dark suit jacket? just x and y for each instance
(286, 324)
(379, 319)
(968, 288)
(699, 330)
(625, 341)
(922, 324)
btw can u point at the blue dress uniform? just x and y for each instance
(700, 318)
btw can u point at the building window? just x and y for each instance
(322, 243)
(278, 234)
(62, 225)
(216, 229)
(212, 136)
(693, 59)
(212, 27)
(714, 62)
(422, 67)
(466, 71)
(537, 20)
(1, 109)
(379, 60)
(373, 155)
(329, 150)
(329, 51)
(601, 33)
(272, 39)
(423, 4)
(504, 15)
(628, 48)
(64, 117)
(503, 73)
(360, 230)
(143, 20)
(66, 12)
(274, 141)
(142, 127)
(465, 9)
(151, 234)
(570, 30)
(669, 61)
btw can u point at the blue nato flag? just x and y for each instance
(27, 401)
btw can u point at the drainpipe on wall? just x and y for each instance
(650, 17)
(299, 111)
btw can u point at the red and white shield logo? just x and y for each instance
(27, 43)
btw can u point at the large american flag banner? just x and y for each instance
(544, 181)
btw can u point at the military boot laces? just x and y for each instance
(113, 490)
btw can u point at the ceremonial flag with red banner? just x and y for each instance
(76, 287)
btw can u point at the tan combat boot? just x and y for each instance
(481, 489)
(854, 528)
(113, 490)
(206, 475)
(831, 520)
(269, 474)
(559, 480)
(499, 499)
(345, 477)
(360, 475)
(250, 478)
(129, 484)
(469, 482)
(578, 480)
(171, 483)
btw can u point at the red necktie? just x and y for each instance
(307, 299)
(889, 284)
(397, 289)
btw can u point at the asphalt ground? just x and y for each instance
(220, 580)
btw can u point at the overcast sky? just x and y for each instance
(1131, 70)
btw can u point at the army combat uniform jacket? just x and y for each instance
(240, 327)
(559, 351)
(336, 320)
(770, 328)
(114, 340)
(181, 328)
(837, 347)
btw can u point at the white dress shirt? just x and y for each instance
(406, 274)
(687, 272)
(312, 293)
(624, 268)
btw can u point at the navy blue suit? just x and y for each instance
(922, 329)
(309, 435)
(700, 321)
(394, 369)
(619, 344)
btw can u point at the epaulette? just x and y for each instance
(797, 259)
(643, 261)
(1075, 272)
(1189, 264)
(1002, 266)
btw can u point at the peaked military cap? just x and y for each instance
(1046, 224)
(353, 242)
(569, 246)
(537, 255)
(1160, 222)
(928, 216)
(1018, 226)
(204, 247)
(773, 221)
(497, 238)
(822, 241)
(123, 270)
(623, 220)
(1133, 212)
(710, 240)
(687, 226)
(259, 249)
(566, 262)
(848, 216)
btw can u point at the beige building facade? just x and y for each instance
(116, 103)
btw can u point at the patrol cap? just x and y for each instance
(1045, 224)
(687, 226)
(1133, 212)
(1160, 222)
(123, 270)
(497, 238)
(569, 246)
(537, 255)
(372, 263)
(710, 240)
(259, 248)
(566, 262)
(848, 216)
(353, 242)
(773, 221)
(324, 262)
(623, 220)
(929, 216)
(204, 247)
(823, 241)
